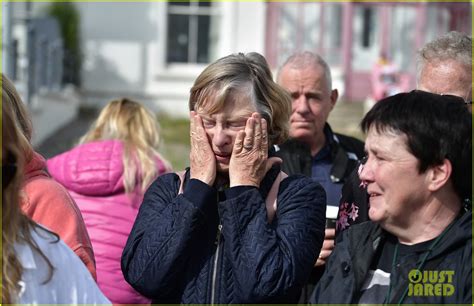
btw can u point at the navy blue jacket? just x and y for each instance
(176, 252)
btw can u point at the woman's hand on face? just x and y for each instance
(201, 157)
(249, 161)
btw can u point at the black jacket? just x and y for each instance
(177, 254)
(345, 152)
(350, 261)
(297, 159)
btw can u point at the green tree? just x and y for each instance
(68, 18)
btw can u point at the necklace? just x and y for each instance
(420, 266)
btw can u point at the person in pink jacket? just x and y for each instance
(43, 199)
(107, 174)
(37, 266)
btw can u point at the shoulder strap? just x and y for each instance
(270, 201)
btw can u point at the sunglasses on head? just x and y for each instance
(465, 98)
(466, 102)
(459, 98)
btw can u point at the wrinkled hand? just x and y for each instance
(249, 161)
(201, 157)
(328, 246)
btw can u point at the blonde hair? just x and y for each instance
(21, 120)
(138, 129)
(16, 227)
(246, 74)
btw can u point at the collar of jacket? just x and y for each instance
(458, 236)
(265, 185)
(339, 157)
(365, 239)
(36, 166)
(298, 160)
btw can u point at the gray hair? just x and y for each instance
(305, 59)
(451, 46)
(247, 75)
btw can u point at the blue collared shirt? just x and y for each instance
(321, 173)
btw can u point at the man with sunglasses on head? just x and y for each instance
(444, 66)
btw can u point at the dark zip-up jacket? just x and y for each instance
(176, 252)
(345, 153)
(356, 247)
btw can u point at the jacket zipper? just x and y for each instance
(216, 259)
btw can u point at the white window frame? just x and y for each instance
(193, 11)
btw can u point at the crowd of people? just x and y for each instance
(251, 220)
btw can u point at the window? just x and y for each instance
(367, 35)
(192, 31)
(367, 25)
(332, 40)
(304, 26)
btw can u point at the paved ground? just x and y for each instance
(68, 135)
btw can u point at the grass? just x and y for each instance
(175, 141)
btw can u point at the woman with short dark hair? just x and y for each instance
(417, 246)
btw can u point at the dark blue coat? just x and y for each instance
(177, 254)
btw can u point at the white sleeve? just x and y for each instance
(71, 283)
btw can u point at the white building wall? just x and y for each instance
(117, 39)
(124, 47)
(250, 27)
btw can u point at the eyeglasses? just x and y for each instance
(469, 93)
(464, 100)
